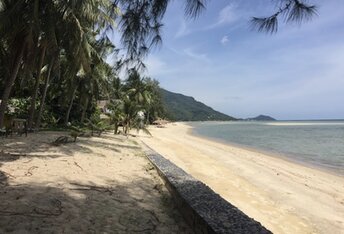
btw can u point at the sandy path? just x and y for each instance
(285, 197)
(97, 185)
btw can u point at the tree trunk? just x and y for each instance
(147, 120)
(10, 82)
(70, 105)
(116, 128)
(46, 85)
(84, 110)
(35, 90)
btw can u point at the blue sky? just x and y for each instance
(297, 73)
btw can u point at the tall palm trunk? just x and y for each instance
(35, 90)
(46, 85)
(70, 105)
(9, 83)
(115, 131)
(83, 115)
(147, 118)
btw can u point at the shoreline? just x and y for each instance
(283, 156)
(278, 193)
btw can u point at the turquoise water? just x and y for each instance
(317, 143)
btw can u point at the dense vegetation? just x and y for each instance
(53, 59)
(183, 108)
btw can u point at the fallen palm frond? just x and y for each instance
(61, 140)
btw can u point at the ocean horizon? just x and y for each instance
(314, 143)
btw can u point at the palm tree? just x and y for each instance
(18, 30)
(45, 90)
(155, 109)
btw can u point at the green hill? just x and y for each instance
(183, 108)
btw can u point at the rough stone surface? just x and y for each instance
(203, 209)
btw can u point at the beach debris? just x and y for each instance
(149, 167)
(28, 161)
(60, 140)
(76, 164)
(91, 188)
(29, 171)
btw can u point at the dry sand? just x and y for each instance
(285, 197)
(96, 185)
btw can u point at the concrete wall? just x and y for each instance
(202, 208)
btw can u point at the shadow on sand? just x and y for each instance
(86, 208)
(61, 205)
(14, 148)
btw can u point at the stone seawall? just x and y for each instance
(202, 208)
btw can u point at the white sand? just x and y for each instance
(96, 185)
(285, 197)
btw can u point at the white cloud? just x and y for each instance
(224, 40)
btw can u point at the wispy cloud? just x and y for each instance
(227, 15)
(183, 29)
(198, 56)
(224, 40)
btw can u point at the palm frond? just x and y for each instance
(193, 8)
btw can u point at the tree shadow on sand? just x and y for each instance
(88, 208)
(40, 145)
(3, 178)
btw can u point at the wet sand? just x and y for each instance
(96, 185)
(284, 196)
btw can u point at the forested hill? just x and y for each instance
(183, 108)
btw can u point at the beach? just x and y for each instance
(94, 185)
(284, 196)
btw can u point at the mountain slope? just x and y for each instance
(184, 108)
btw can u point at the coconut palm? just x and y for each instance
(155, 108)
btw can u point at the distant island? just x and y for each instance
(184, 108)
(261, 118)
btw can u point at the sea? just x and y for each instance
(314, 143)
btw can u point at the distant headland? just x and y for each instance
(261, 118)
